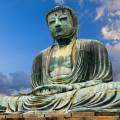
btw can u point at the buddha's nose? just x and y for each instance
(58, 28)
(58, 24)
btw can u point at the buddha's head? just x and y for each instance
(62, 23)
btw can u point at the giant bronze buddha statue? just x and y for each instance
(71, 75)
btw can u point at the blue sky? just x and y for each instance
(24, 32)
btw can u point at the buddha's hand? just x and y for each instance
(85, 84)
(78, 85)
(52, 89)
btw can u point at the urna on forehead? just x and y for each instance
(59, 13)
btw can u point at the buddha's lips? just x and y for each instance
(58, 29)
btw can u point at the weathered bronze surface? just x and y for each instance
(71, 75)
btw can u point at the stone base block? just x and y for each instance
(61, 116)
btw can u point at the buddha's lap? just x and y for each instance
(86, 93)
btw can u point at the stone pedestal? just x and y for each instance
(61, 116)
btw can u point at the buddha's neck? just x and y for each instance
(63, 42)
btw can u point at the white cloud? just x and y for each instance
(80, 2)
(114, 52)
(100, 12)
(109, 10)
(59, 1)
(14, 82)
(111, 33)
(20, 91)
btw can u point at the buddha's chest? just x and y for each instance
(60, 62)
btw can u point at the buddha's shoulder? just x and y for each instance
(42, 54)
(89, 42)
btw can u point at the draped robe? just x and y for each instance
(87, 88)
(90, 62)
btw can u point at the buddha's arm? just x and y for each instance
(100, 69)
(37, 70)
(85, 84)
(52, 89)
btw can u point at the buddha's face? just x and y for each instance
(60, 24)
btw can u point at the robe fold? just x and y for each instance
(90, 62)
(87, 88)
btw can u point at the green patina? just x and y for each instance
(70, 75)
